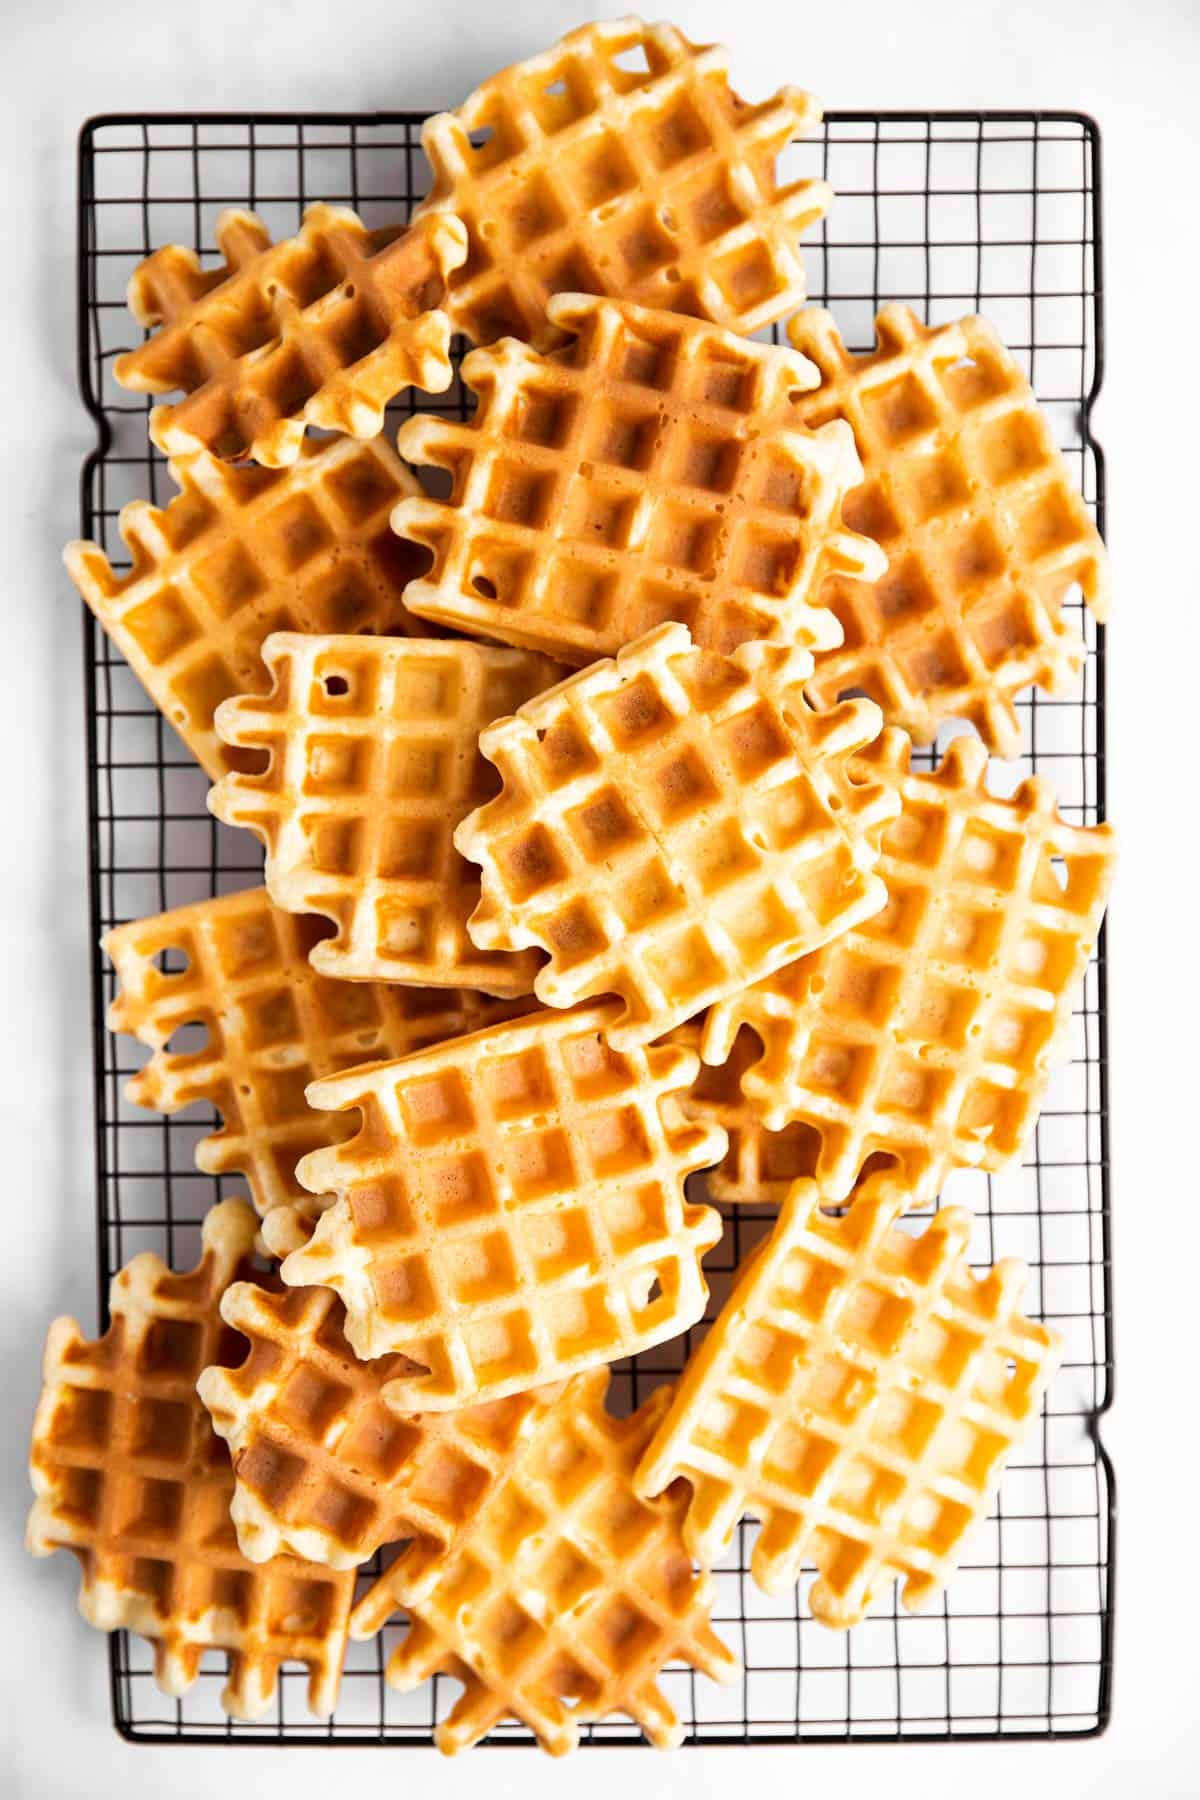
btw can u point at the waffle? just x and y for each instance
(759, 1166)
(859, 1394)
(241, 552)
(927, 1034)
(655, 184)
(673, 825)
(565, 1598)
(321, 329)
(272, 1025)
(129, 1476)
(652, 469)
(372, 762)
(324, 1469)
(984, 530)
(512, 1210)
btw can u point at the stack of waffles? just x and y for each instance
(597, 858)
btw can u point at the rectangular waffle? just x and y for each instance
(272, 1025)
(578, 171)
(320, 329)
(512, 1210)
(565, 1598)
(984, 530)
(241, 552)
(324, 1469)
(927, 1034)
(654, 468)
(859, 1394)
(128, 1476)
(672, 826)
(372, 761)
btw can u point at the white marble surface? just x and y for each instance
(1134, 67)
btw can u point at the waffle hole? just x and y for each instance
(190, 1040)
(171, 961)
(634, 61)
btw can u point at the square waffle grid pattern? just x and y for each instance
(951, 213)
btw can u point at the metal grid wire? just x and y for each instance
(952, 212)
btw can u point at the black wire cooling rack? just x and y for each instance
(951, 212)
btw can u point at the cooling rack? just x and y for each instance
(952, 212)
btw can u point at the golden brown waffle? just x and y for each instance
(129, 1477)
(566, 1596)
(673, 825)
(373, 761)
(759, 1166)
(927, 1034)
(241, 552)
(653, 469)
(272, 1025)
(984, 530)
(859, 1394)
(324, 1469)
(575, 171)
(321, 329)
(512, 1210)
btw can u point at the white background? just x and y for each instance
(1135, 65)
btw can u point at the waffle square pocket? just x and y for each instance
(654, 468)
(512, 1210)
(984, 529)
(925, 1036)
(859, 1394)
(621, 162)
(129, 1477)
(320, 329)
(373, 760)
(673, 825)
